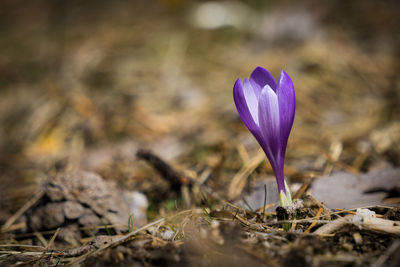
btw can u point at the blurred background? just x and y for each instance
(85, 84)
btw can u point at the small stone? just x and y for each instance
(137, 204)
(346, 190)
(167, 235)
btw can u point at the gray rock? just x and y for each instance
(345, 190)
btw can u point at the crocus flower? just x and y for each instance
(267, 109)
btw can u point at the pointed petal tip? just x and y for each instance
(237, 87)
(259, 68)
(260, 71)
(261, 77)
(242, 106)
(284, 76)
(238, 82)
(268, 90)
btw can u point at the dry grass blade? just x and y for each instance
(21, 211)
(51, 242)
(123, 239)
(29, 253)
(116, 243)
(239, 180)
(21, 246)
(299, 193)
(314, 223)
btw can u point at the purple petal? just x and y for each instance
(268, 110)
(251, 97)
(241, 106)
(270, 128)
(287, 107)
(259, 78)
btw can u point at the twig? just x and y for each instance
(30, 253)
(41, 238)
(314, 223)
(21, 246)
(267, 206)
(166, 171)
(299, 193)
(334, 225)
(176, 179)
(365, 222)
(381, 225)
(50, 244)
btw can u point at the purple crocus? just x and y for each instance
(267, 109)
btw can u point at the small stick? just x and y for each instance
(30, 253)
(366, 222)
(164, 169)
(299, 193)
(41, 238)
(381, 225)
(334, 225)
(21, 246)
(314, 223)
(293, 227)
(14, 227)
(267, 206)
(53, 238)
